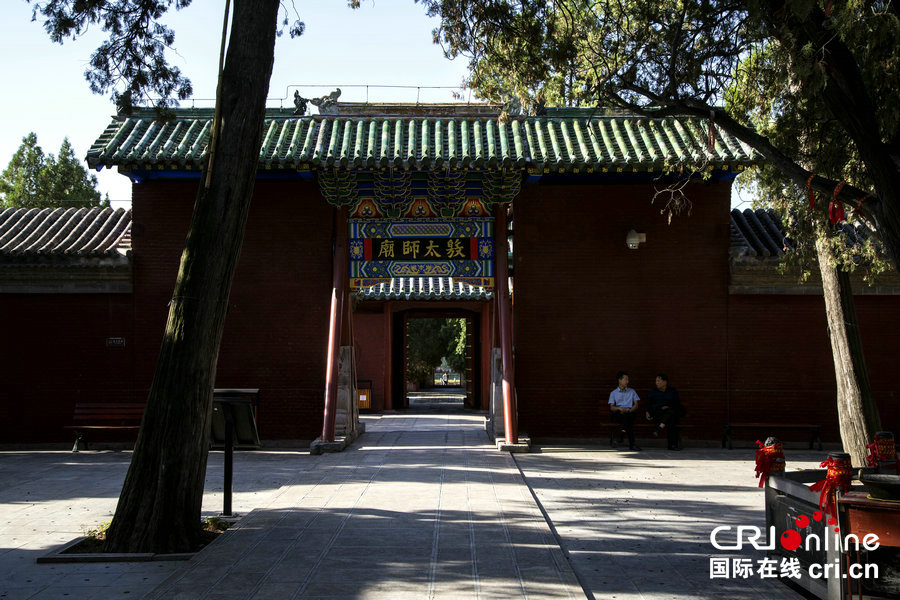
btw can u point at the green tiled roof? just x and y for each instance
(574, 143)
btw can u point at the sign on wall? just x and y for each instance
(381, 249)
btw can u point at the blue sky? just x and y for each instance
(384, 43)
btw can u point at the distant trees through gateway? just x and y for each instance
(435, 346)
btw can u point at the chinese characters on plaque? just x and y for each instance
(381, 249)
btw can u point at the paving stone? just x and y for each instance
(420, 506)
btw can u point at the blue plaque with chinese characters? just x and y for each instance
(381, 249)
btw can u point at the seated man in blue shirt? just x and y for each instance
(623, 402)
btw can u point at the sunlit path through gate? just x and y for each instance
(420, 506)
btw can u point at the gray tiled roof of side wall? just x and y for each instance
(29, 235)
(71, 235)
(759, 234)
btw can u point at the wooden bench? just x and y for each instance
(642, 429)
(97, 416)
(767, 428)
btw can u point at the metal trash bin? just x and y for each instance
(364, 394)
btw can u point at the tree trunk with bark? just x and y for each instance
(159, 507)
(857, 414)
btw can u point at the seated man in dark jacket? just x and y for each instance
(664, 407)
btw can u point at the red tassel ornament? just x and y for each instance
(883, 454)
(836, 208)
(769, 459)
(812, 194)
(839, 476)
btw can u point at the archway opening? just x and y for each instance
(439, 361)
(436, 362)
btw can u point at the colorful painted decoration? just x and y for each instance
(381, 249)
(366, 209)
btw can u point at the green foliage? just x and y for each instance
(833, 67)
(20, 184)
(98, 532)
(768, 95)
(454, 331)
(217, 524)
(428, 341)
(610, 52)
(35, 180)
(131, 63)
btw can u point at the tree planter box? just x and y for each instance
(62, 555)
(788, 497)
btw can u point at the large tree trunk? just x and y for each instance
(857, 414)
(159, 508)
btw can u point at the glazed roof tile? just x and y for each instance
(28, 235)
(576, 141)
(759, 234)
(424, 288)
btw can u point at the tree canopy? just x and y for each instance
(131, 63)
(765, 95)
(37, 180)
(841, 61)
(428, 341)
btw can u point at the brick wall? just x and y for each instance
(586, 306)
(276, 330)
(55, 354)
(780, 364)
(369, 339)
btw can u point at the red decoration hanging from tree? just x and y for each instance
(859, 204)
(836, 208)
(812, 194)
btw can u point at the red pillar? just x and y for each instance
(339, 284)
(504, 312)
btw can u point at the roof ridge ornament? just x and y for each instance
(322, 102)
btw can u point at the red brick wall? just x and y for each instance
(879, 322)
(55, 354)
(276, 330)
(586, 306)
(275, 333)
(780, 365)
(369, 339)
